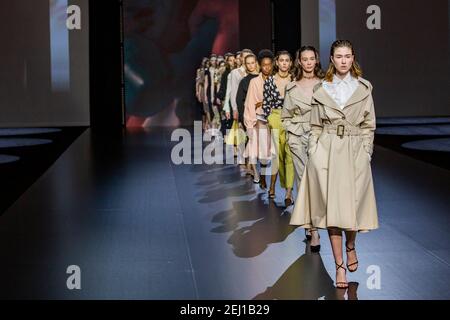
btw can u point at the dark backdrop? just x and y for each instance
(407, 60)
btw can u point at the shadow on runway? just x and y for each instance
(269, 226)
(243, 211)
(213, 178)
(223, 193)
(307, 279)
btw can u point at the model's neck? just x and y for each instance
(341, 75)
(308, 75)
(283, 74)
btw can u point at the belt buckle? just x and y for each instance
(340, 131)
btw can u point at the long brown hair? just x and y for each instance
(355, 70)
(318, 72)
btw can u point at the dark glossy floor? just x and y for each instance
(140, 227)
(26, 153)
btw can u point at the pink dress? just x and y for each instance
(258, 132)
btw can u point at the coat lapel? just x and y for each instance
(360, 94)
(324, 98)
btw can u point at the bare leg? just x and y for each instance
(352, 259)
(315, 240)
(273, 181)
(255, 172)
(336, 245)
(249, 166)
(289, 193)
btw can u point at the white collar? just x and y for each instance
(347, 79)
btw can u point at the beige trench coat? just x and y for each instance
(337, 188)
(295, 116)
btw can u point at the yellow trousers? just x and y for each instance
(282, 158)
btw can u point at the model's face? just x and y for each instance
(231, 61)
(266, 67)
(284, 63)
(308, 61)
(237, 61)
(213, 62)
(342, 60)
(250, 64)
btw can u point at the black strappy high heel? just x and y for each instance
(341, 284)
(288, 202)
(308, 236)
(347, 249)
(315, 249)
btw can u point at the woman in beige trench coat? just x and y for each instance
(296, 115)
(337, 190)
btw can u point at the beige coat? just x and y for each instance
(295, 116)
(337, 188)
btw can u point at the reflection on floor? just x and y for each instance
(26, 131)
(7, 159)
(441, 145)
(25, 154)
(412, 120)
(422, 138)
(140, 227)
(417, 130)
(21, 142)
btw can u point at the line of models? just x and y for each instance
(304, 125)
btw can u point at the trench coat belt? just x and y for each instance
(342, 130)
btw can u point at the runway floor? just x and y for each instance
(140, 227)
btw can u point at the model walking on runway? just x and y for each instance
(274, 91)
(236, 76)
(223, 91)
(252, 69)
(258, 146)
(201, 92)
(336, 192)
(296, 115)
(211, 83)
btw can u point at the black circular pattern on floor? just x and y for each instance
(8, 159)
(26, 131)
(22, 142)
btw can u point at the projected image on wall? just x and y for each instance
(164, 44)
(59, 44)
(45, 81)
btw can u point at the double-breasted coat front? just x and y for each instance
(295, 117)
(337, 188)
